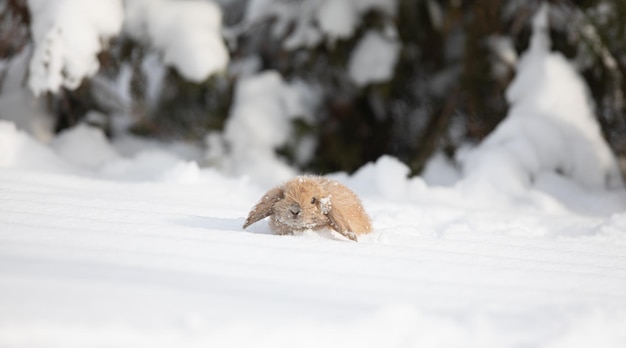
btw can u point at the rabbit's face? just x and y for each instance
(303, 205)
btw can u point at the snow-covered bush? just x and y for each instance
(187, 33)
(549, 128)
(373, 59)
(313, 21)
(260, 123)
(68, 35)
(406, 78)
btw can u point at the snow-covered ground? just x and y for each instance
(120, 257)
(520, 243)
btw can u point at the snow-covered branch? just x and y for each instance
(68, 34)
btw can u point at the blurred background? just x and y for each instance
(322, 85)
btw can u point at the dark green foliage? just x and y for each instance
(606, 74)
(188, 110)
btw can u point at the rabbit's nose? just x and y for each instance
(295, 210)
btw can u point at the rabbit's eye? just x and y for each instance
(313, 200)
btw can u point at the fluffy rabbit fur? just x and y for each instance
(312, 203)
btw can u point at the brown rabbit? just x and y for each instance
(312, 203)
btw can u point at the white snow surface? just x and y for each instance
(98, 253)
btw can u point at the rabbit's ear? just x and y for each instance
(265, 206)
(339, 223)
